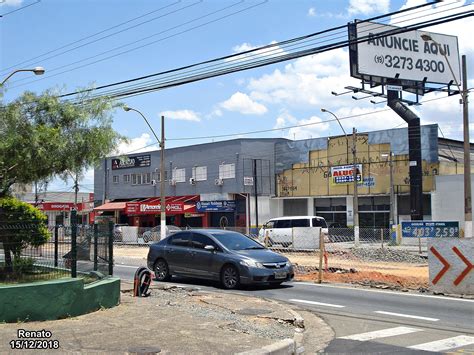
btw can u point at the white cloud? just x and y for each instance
(184, 115)
(270, 52)
(11, 2)
(137, 144)
(368, 7)
(242, 103)
(312, 12)
(307, 81)
(312, 127)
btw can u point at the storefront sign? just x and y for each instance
(132, 208)
(215, 206)
(368, 181)
(58, 206)
(137, 161)
(430, 229)
(344, 174)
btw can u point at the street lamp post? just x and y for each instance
(392, 195)
(467, 149)
(355, 202)
(162, 170)
(36, 70)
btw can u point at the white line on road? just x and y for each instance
(388, 292)
(384, 333)
(128, 266)
(445, 344)
(316, 303)
(407, 316)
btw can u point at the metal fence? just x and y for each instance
(77, 251)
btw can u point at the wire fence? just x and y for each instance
(30, 251)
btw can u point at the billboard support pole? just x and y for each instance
(356, 194)
(414, 151)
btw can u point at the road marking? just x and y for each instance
(317, 303)
(129, 266)
(387, 292)
(445, 344)
(407, 316)
(384, 333)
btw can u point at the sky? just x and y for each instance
(84, 43)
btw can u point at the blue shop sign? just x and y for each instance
(430, 229)
(215, 206)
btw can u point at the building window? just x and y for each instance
(157, 176)
(146, 178)
(179, 175)
(227, 171)
(126, 179)
(115, 179)
(200, 173)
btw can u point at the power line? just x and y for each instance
(93, 35)
(145, 38)
(249, 65)
(20, 8)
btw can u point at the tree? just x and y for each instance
(21, 225)
(43, 137)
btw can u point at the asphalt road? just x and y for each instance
(367, 320)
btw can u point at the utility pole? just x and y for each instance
(356, 197)
(467, 155)
(162, 182)
(255, 191)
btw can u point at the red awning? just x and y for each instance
(111, 206)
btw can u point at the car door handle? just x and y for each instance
(192, 253)
(170, 250)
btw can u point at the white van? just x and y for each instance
(279, 230)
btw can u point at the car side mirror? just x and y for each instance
(209, 247)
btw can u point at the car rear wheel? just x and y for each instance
(162, 272)
(230, 277)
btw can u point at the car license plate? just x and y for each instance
(280, 275)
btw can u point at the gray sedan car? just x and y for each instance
(229, 257)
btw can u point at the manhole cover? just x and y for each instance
(144, 350)
(253, 311)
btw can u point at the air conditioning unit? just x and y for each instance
(173, 182)
(153, 182)
(192, 181)
(219, 182)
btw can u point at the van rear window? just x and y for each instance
(300, 222)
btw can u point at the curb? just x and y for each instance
(285, 346)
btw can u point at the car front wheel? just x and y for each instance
(162, 272)
(230, 277)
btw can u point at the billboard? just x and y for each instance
(344, 174)
(136, 161)
(404, 56)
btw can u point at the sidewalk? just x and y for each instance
(176, 320)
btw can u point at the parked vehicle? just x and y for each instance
(226, 256)
(154, 233)
(118, 232)
(279, 230)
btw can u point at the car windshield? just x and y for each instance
(236, 241)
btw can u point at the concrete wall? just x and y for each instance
(56, 299)
(447, 201)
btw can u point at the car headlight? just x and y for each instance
(252, 263)
(288, 264)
